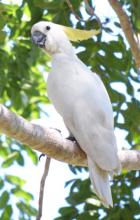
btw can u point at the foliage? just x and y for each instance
(22, 89)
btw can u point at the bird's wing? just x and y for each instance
(92, 119)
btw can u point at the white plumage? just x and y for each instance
(81, 99)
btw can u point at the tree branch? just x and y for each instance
(127, 29)
(50, 141)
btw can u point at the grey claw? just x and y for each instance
(71, 138)
(41, 155)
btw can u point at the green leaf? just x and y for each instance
(108, 30)
(28, 209)
(10, 160)
(69, 182)
(4, 198)
(68, 211)
(22, 194)
(15, 180)
(117, 24)
(1, 183)
(33, 155)
(3, 151)
(7, 213)
(87, 215)
(2, 35)
(20, 159)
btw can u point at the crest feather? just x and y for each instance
(79, 35)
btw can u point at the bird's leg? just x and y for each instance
(42, 155)
(70, 136)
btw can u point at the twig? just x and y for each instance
(128, 31)
(89, 9)
(73, 11)
(42, 186)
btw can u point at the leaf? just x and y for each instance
(20, 159)
(69, 182)
(66, 211)
(7, 213)
(1, 183)
(28, 209)
(108, 30)
(72, 168)
(10, 160)
(2, 35)
(22, 194)
(15, 180)
(3, 151)
(33, 155)
(76, 198)
(4, 198)
(86, 215)
(117, 24)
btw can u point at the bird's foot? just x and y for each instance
(41, 155)
(71, 138)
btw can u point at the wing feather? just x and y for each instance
(93, 125)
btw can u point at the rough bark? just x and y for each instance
(127, 29)
(50, 142)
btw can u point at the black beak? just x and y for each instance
(39, 38)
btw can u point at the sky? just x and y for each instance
(59, 173)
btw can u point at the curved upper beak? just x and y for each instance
(38, 38)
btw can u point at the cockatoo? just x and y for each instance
(81, 99)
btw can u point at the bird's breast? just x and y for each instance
(62, 91)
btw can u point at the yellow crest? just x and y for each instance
(79, 35)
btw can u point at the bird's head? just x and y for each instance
(54, 38)
(49, 36)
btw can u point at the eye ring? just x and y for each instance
(48, 28)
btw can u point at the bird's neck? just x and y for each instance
(61, 56)
(59, 59)
(64, 48)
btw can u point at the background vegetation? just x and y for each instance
(22, 89)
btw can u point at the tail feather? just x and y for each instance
(100, 181)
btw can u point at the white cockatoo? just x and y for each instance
(81, 99)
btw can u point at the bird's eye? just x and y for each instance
(48, 28)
